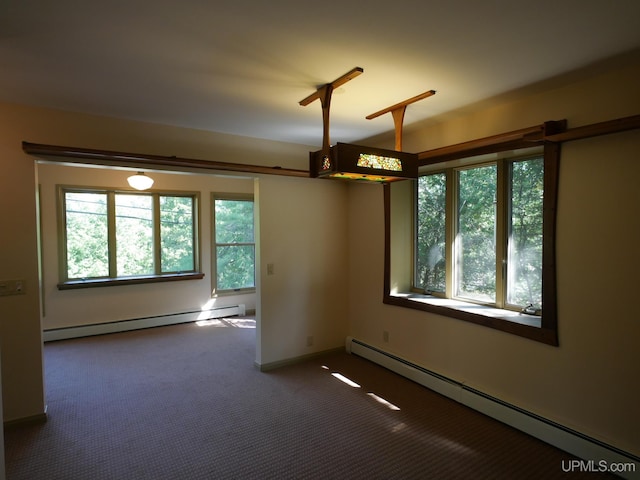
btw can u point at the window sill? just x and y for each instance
(528, 326)
(110, 282)
(237, 291)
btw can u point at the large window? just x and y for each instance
(113, 236)
(234, 255)
(473, 237)
(493, 254)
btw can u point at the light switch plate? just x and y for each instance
(12, 287)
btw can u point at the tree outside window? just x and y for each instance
(234, 259)
(492, 261)
(112, 235)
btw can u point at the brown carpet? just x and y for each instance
(187, 402)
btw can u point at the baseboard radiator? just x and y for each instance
(140, 323)
(566, 439)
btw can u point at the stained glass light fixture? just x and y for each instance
(355, 162)
(346, 161)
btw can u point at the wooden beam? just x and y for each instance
(398, 119)
(324, 95)
(398, 111)
(401, 104)
(553, 131)
(106, 157)
(596, 129)
(504, 141)
(318, 94)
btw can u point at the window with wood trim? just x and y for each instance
(118, 236)
(482, 244)
(479, 234)
(234, 243)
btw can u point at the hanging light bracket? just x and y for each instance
(397, 111)
(324, 95)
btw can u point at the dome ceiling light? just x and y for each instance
(140, 181)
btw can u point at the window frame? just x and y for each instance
(502, 222)
(542, 329)
(214, 245)
(66, 283)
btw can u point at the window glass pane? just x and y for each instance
(236, 267)
(524, 262)
(87, 235)
(430, 244)
(476, 234)
(176, 234)
(235, 249)
(234, 221)
(134, 234)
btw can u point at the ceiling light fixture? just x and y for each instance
(346, 161)
(140, 181)
(355, 162)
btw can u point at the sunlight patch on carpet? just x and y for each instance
(228, 322)
(344, 379)
(384, 402)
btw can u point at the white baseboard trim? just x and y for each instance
(140, 323)
(596, 454)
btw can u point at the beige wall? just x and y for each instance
(20, 331)
(588, 383)
(286, 314)
(304, 236)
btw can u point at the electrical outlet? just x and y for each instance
(309, 341)
(269, 268)
(385, 336)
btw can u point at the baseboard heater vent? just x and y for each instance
(564, 438)
(140, 323)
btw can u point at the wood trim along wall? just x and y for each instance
(107, 157)
(596, 129)
(523, 138)
(552, 131)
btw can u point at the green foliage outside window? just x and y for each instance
(431, 230)
(235, 244)
(524, 265)
(477, 253)
(87, 235)
(177, 233)
(134, 235)
(476, 234)
(110, 234)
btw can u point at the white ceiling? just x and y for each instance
(242, 66)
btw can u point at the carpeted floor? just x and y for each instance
(187, 402)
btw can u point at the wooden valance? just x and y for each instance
(553, 131)
(107, 157)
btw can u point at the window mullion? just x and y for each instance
(157, 245)
(111, 234)
(195, 221)
(502, 212)
(63, 264)
(451, 222)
